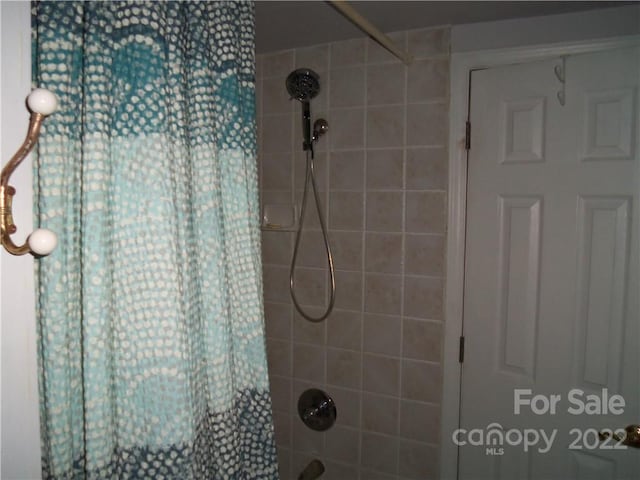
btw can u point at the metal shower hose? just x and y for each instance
(309, 175)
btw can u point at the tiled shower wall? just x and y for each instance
(381, 171)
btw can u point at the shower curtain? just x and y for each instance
(151, 340)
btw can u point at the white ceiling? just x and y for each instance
(290, 24)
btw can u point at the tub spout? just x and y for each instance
(312, 471)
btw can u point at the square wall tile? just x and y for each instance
(421, 381)
(284, 463)
(345, 210)
(279, 357)
(280, 389)
(277, 319)
(276, 196)
(384, 211)
(418, 460)
(344, 329)
(347, 87)
(420, 421)
(380, 413)
(306, 331)
(427, 124)
(425, 212)
(347, 249)
(385, 84)
(379, 452)
(310, 286)
(349, 404)
(308, 362)
(346, 170)
(383, 252)
(277, 134)
(276, 247)
(339, 471)
(276, 170)
(423, 297)
(422, 340)
(307, 440)
(384, 169)
(344, 368)
(348, 290)
(282, 427)
(311, 250)
(383, 293)
(275, 98)
(320, 171)
(342, 444)
(428, 80)
(299, 387)
(424, 255)
(385, 126)
(311, 216)
(347, 128)
(427, 168)
(381, 334)
(381, 374)
(276, 283)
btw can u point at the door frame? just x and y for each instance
(460, 74)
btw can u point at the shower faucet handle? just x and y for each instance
(317, 410)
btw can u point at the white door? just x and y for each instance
(551, 275)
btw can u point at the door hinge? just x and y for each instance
(461, 351)
(467, 136)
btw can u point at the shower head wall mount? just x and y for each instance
(320, 127)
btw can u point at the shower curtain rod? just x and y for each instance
(366, 26)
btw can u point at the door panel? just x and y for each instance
(551, 267)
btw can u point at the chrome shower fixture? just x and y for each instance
(320, 127)
(303, 84)
(313, 470)
(317, 410)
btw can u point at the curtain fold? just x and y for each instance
(150, 315)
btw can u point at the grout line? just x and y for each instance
(292, 115)
(403, 253)
(363, 290)
(327, 177)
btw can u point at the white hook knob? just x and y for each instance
(43, 241)
(42, 101)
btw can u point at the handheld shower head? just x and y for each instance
(303, 84)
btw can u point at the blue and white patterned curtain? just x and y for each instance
(151, 337)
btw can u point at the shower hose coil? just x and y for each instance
(310, 179)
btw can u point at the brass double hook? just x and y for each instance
(40, 242)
